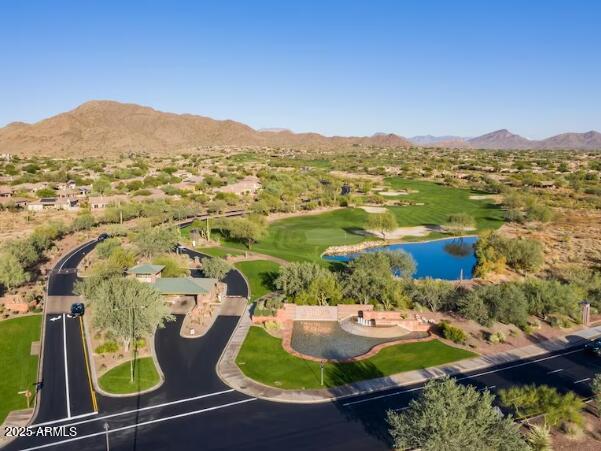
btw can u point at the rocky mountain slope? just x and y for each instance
(107, 127)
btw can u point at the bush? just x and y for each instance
(107, 347)
(455, 334)
(497, 337)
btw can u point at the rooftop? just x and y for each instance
(184, 285)
(145, 269)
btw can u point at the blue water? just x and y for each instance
(440, 259)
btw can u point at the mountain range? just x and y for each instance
(102, 127)
(107, 127)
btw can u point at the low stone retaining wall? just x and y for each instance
(293, 312)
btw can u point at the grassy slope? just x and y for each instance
(262, 358)
(306, 237)
(116, 380)
(440, 202)
(260, 274)
(19, 368)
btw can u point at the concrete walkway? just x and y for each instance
(231, 375)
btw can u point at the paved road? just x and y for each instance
(195, 410)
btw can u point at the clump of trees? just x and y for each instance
(374, 277)
(151, 241)
(215, 267)
(494, 252)
(526, 208)
(451, 416)
(19, 257)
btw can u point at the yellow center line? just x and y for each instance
(85, 354)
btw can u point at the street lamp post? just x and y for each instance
(106, 434)
(321, 365)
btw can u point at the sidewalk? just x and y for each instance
(231, 375)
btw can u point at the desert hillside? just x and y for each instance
(107, 127)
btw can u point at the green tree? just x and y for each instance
(382, 222)
(125, 308)
(323, 290)
(101, 186)
(296, 277)
(155, 240)
(453, 417)
(458, 223)
(12, 273)
(437, 295)
(372, 277)
(246, 230)
(215, 267)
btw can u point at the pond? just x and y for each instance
(447, 259)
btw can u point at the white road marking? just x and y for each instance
(156, 406)
(137, 425)
(583, 380)
(73, 253)
(484, 373)
(66, 367)
(55, 318)
(555, 371)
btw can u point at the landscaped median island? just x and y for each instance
(263, 359)
(118, 380)
(19, 367)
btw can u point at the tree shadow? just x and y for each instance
(268, 279)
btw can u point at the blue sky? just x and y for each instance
(336, 67)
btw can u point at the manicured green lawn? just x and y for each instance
(19, 368)
(117, 380)
(263, 359)
(441, 201)
(260, 275)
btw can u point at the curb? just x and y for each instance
(256, 389)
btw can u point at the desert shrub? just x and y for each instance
(497, 337)
(107, 347)
(455, 334)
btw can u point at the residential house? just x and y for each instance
(248, 185)
(101, 202)
(53, 203)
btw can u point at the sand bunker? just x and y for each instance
(407, 231)
(393, 193)
(497, 198)
(371, 209)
